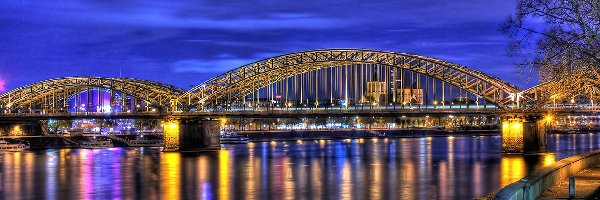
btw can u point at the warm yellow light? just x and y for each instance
(548, 118)
(512, 136)
(171, 135)
(549, 159)
(171, 180)
(224, 174)
(512, 169)
(516, 125)
(16, 130)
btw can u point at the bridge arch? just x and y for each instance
(49, 94)
(240, 82)
(568, 90)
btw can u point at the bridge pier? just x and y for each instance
(523, 134)
(191, 134)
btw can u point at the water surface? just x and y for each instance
(407, 168)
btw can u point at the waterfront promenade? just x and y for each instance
(552, 181)
(587, 186)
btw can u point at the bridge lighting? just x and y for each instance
(572, 100)
(435, 102)
(516, 125)
(172, 125)
(548, 118)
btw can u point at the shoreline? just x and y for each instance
(267, 136)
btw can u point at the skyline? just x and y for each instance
(185, 44)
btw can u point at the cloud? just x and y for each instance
(2, 85)
(213, 66)
(183, 42)
(460, 43)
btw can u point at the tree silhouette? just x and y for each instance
(557, 38)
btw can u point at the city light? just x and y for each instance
(279, 100)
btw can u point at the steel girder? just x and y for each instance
(560, 91)
(51, 92)
(248, 78)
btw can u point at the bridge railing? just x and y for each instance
(290, 111)
(301, 111)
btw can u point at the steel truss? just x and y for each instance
(564, 91)
(237, 83)
(52, 94)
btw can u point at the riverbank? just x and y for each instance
(543, 179)
(587, 186)
(262, 136)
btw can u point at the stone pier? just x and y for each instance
(523, 133)
(191, 135)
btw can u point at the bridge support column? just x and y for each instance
(191, 134)
(523, 134)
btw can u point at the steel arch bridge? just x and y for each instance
(237, 84)
(570, 90)
(53, 94)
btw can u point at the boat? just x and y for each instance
(145, 143)
(233, 138)
(5, 146)
(95, 144)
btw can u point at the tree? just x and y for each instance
(565, 46)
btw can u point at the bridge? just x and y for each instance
(344, 82)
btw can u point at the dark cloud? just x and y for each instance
(184, 43)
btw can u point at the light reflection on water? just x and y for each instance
(407, 168)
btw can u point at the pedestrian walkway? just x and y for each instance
(587, 186)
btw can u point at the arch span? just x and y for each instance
(561, 91)
(243, 80)
(50, 92)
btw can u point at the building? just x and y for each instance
(376, 91)
(410, 96)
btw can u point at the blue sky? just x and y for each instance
(186, 42)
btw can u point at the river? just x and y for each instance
(405, 168)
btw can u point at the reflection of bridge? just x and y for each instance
(320, 82)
